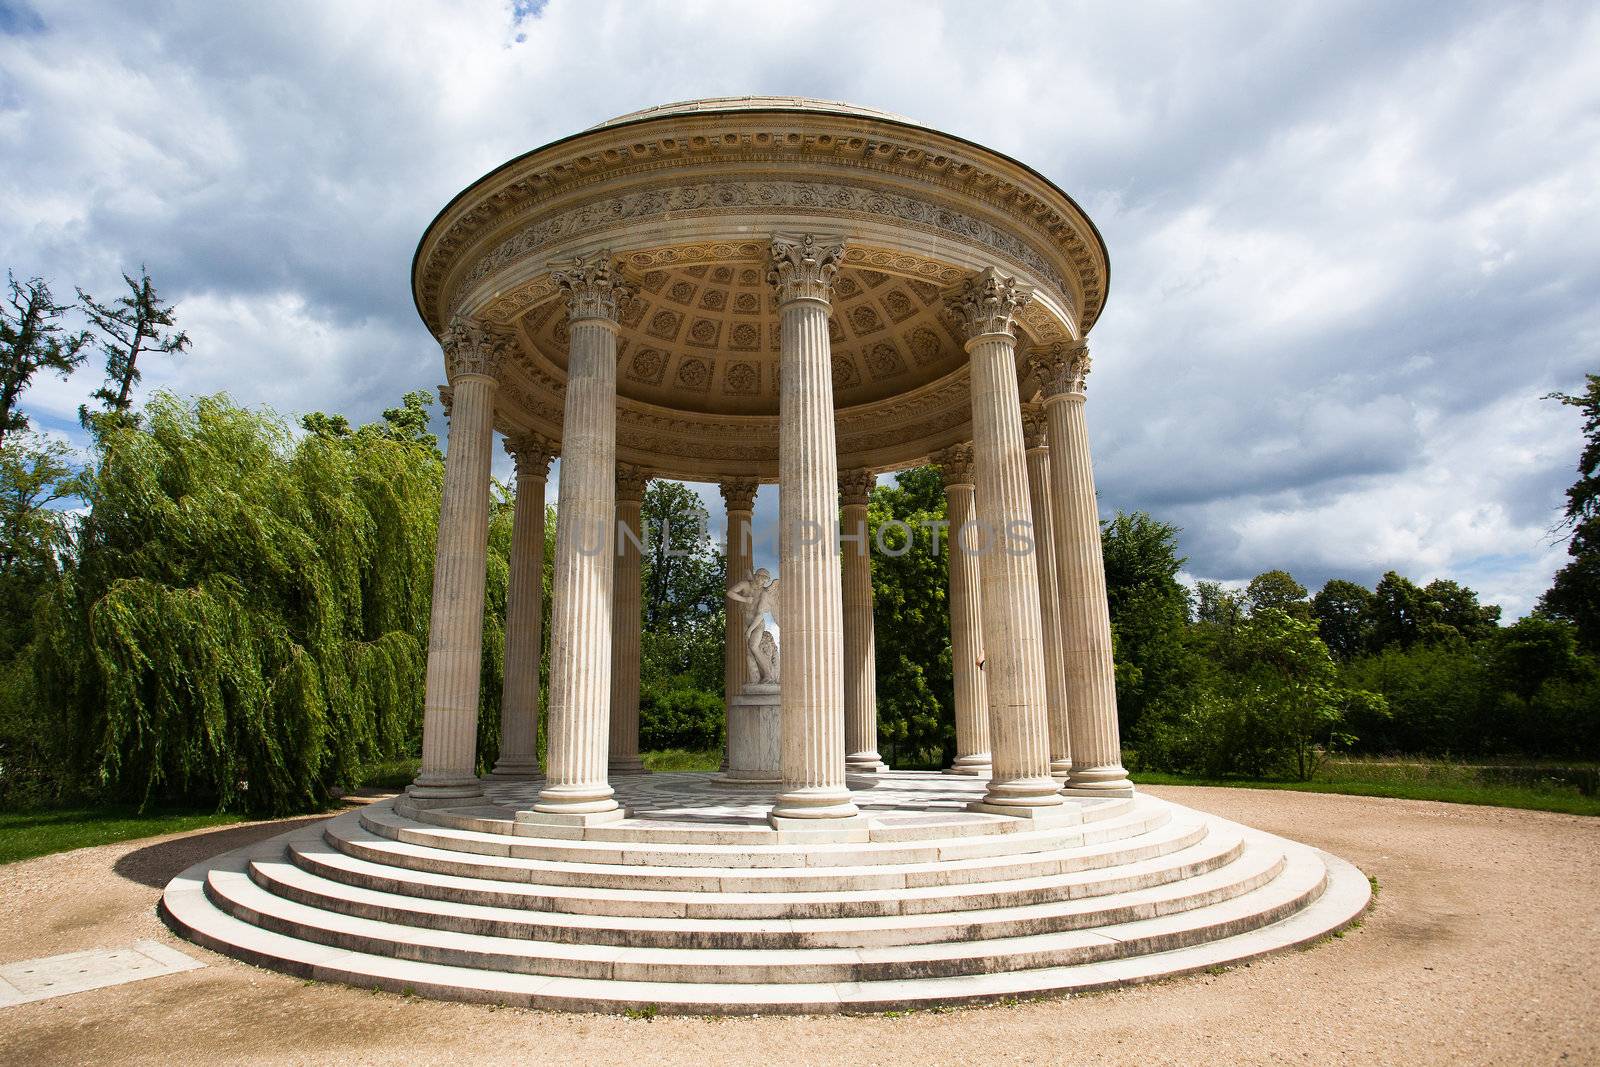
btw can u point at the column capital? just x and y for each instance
(1035, 431)
(802, 266)
(739, 494)
(1061, 368)
(987, 303)
(594, 286)
(855, 486)
(475, 349)
(955, 465)
(447, 399)
(631, 481)
(532, 453)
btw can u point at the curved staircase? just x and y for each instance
(693, 905)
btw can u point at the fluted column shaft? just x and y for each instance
(740, 498)
(519, 699)
(580, 620)
(625, 625)
(1085, 615)
(810, 601)
(966, 618)
(1055, 677)
(1019, 730)
(860, 653)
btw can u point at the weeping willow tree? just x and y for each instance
(245, 619)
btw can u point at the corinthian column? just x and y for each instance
(740, 499)
(519, 699)
(625, 625)
(472, 354)
(1044, 547)
(1085, 616)
(810, 605)
(860, 668)
(1019, 728)
(966, 620)
(576, 789)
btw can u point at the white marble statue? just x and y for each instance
(759, 594)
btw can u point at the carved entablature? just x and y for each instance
(803, 266)
(1061, 368)
(1034, 430)
(955, 465)
(595, 287)
(988, 303)
(855, 486)
(631, 481)
(475, 349)
(532, 453)
(739, 495)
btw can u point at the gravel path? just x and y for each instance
(1482, 947)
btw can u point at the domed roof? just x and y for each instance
(754, 103)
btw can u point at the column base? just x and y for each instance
(576, 818)
(1060, 769)
(731, 778)
(594, 798)
(1020, 793)
(848, 828)
(444, 787)
(626, 765)
(814, 805)
(976, 765)
(516, 770)
(864, 763)
(1109, 781)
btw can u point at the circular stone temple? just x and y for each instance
(801, 294)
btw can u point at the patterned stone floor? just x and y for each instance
(892, 798)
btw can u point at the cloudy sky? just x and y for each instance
(1352, 244)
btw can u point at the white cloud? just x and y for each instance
(1351, 244)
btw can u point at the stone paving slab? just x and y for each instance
(75, 972)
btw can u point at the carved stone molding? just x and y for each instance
(447, 399)
(532, 453)
(988, 303)
(595, 287)
(473, 348)
(803, 266)
(1034, 428)
(631, 481)
(1062, 368)
(855, 486)
(739, 495)
(955, 464)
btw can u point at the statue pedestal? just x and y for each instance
(754, 734)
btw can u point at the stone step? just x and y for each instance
(1298, 880)
(1184, 850)
(1138, 836)
(1137, 820)
(1204, 879)
(1289, 910)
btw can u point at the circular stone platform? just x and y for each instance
(692, 904)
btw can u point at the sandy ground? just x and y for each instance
(1482, 947)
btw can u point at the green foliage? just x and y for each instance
(31, 340)
(679, 715)
(1344, 614)
(682, 601)
(1279, 591)
(244, 622)
(1149, 612)
(134, 324)
(1574, 595)
(911, 621)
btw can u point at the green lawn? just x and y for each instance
(26, 834)
(1566, 800)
